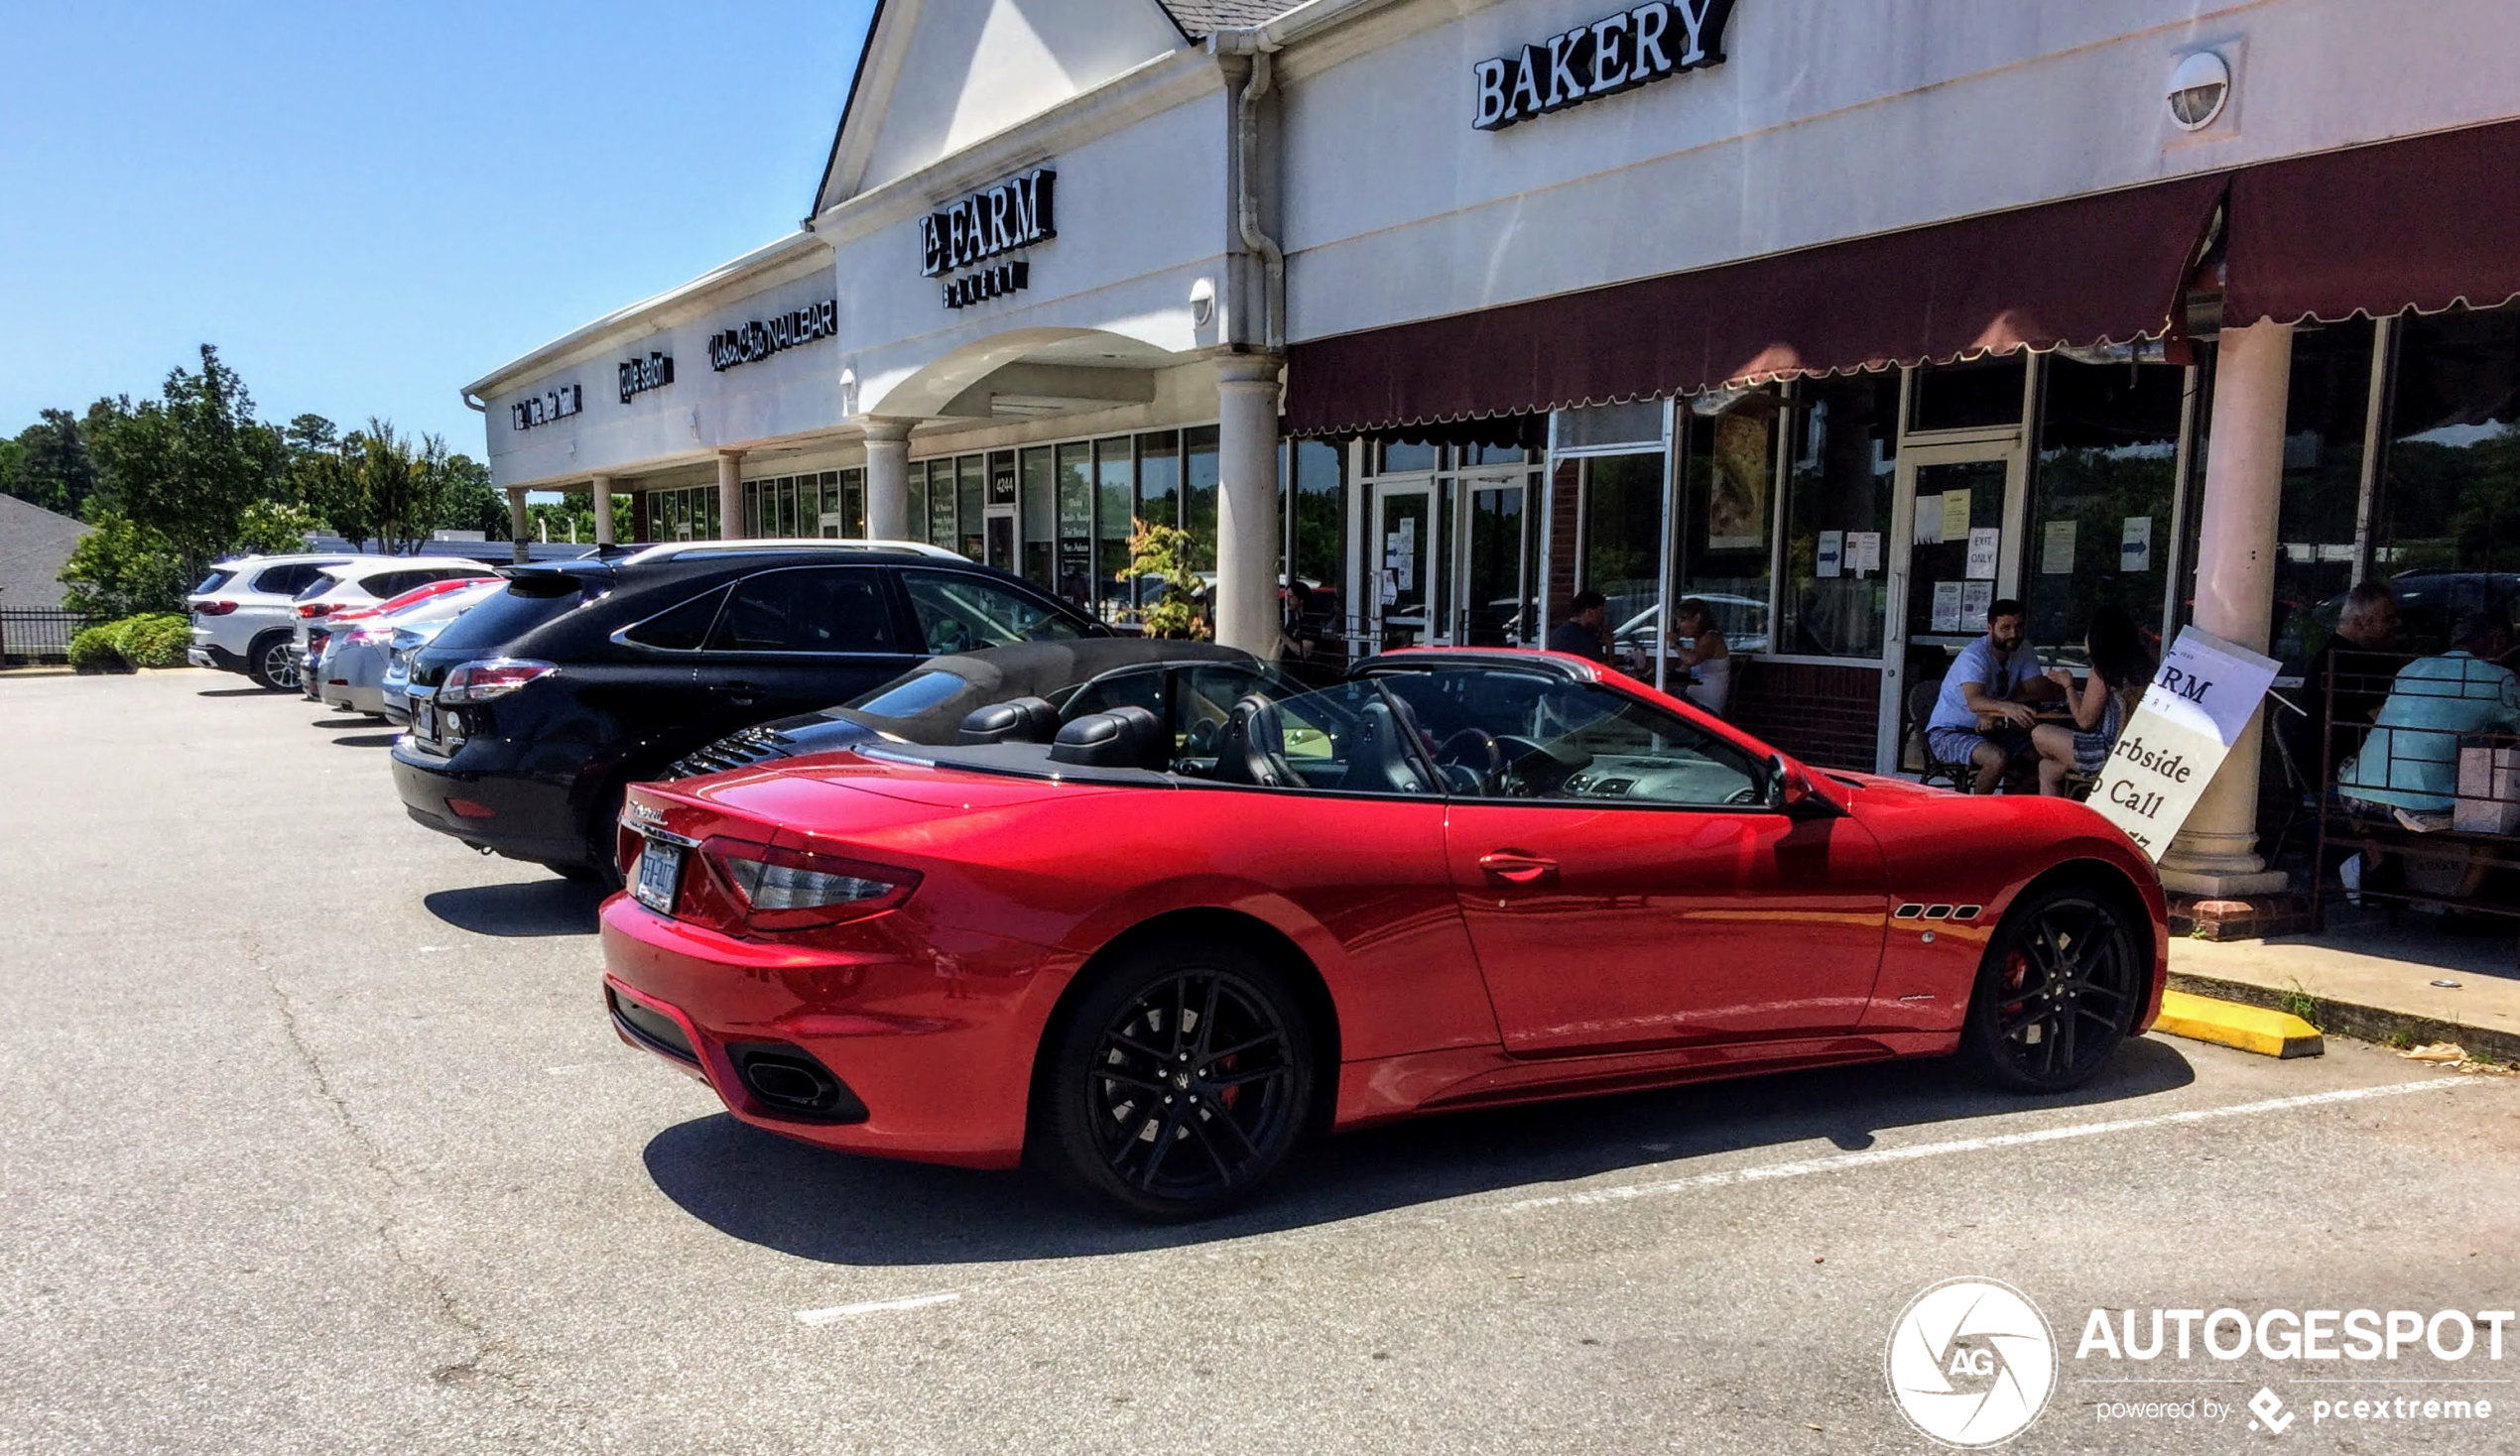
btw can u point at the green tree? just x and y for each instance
(275, 528)
(122, 567)
(186, 465)
(49, 465)
(1163, 552)
(468, 501)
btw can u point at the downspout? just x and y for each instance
(1257, 45)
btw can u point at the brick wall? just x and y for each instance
(1827, 715)
(1565, 501)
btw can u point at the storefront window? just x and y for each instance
(915, 520)
(941, 515)
(1837, 523)
(2449, 523)
(1622, 540)
(1397, 457)
(1159, 479)
(1498, 608)
(1728, 482)
(1040, 518)
(2101, 497)
(1981, 395)
(971, 489)
(1317, 533)
(1112, 477)
(853, 504)
(1198, 495)
(2324, 421)
(1074, 578)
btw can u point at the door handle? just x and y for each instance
(741, 694)
(1516, 868)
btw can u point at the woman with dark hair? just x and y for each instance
(2120, 667)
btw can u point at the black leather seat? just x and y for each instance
(1019, 720)
(1122, 737)
(1253, 748)
(1378, 760)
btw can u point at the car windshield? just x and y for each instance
(907, 697)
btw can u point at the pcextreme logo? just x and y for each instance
(1971, 1363)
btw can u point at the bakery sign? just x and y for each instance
(1617, 52)
(975, 232)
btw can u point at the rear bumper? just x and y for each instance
(938, 1049)
(524, 819)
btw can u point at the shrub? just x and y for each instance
(153, 640)
(94, 651)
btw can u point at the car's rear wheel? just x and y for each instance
(2062, 982)
(272, 661)
(1178, 1083)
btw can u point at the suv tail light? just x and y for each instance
(309, 611)
(212, 609)
(484, 678)
(790, 889)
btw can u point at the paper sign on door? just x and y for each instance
(1956, 505)
(1985, 543)
(1831, 547)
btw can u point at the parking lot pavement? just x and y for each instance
(319, 1142)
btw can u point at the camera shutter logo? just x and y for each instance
(1971, 1363)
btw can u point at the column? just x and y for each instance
(2216, 854)
(603, 487)
(888, 481)
(730, 495)
(1247, 554)
(518, 529)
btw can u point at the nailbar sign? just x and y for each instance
(1617, 52)
(543, 408)
(2197, 707)
(763, 337)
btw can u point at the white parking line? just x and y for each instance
(819, 1317)
(1873, 1156)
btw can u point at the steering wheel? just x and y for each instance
(1474, 752)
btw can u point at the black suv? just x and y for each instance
(532, 711)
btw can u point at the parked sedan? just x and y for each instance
(1459, 879)
(350, 674)
(533, 709)
(1188, 684)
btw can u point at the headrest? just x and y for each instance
(1123, 738)
(1021, 720)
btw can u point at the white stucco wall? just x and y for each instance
(1830, 119)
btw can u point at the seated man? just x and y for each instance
(1983, 717)
(2408, 767)
(1582, 630)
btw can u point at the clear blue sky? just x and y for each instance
(367, 206)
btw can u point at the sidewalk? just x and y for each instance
(2368, 980)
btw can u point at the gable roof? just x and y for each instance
(1200, 19)
(33, 544)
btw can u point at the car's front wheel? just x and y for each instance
(2062, 980)
(1178, 1083)
(272, 661)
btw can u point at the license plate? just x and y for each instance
(425, 720)
(659, 872)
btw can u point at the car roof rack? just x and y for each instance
(675, 550)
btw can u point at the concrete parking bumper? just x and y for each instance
(2230, 1023)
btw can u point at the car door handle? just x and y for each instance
(741, 694)
(1516, 868)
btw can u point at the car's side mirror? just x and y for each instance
(1789, 789)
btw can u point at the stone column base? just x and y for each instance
(2223, 884)
(2238, 918)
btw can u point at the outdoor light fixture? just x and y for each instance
(2198, 88)
(1202, 301)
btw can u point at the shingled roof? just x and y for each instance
(1200, 19)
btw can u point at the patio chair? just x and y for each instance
(1919, 705)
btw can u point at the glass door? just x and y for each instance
(1001, 538)
(1494, 604)
(1404, 606)
(1959, 507)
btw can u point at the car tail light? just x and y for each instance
(370, 636)
(212, 609)
(791, 890)
(309, 611)
(484, 678)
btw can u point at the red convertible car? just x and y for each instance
(1154, 956)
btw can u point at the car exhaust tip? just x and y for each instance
(789, 1083)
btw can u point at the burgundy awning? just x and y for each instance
(2423, 224)
(2100, 269)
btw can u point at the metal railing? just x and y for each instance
(30, 635)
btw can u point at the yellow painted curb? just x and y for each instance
(2230, 1024)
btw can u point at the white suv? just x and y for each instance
(364, 581)
(241, 617)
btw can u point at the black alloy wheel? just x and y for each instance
(2061, 983)
(274, 661)
(1181, 1082)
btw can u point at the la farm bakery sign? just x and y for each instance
(1617, 52)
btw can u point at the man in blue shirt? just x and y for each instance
(1983, 717)
(2409, 764)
